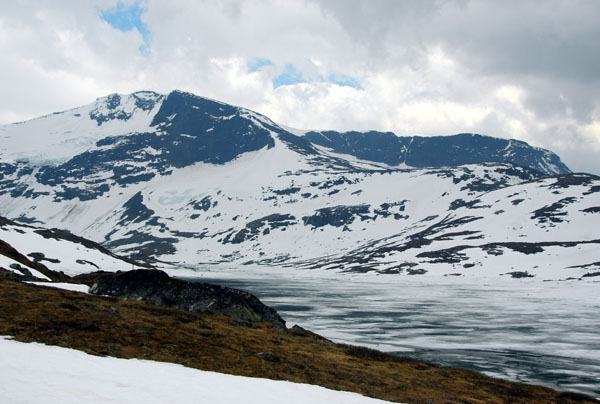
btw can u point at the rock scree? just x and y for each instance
(157, 288)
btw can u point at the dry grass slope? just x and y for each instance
(124, 329)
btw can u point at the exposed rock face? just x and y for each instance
(156, 287)
(438, 151)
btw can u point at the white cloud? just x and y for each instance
(510, 93)
(420, 67)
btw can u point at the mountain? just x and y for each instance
(184, 180)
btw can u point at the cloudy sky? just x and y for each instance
(528, 70)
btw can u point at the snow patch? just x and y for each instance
(36, 373)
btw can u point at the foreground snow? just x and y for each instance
(35, 373)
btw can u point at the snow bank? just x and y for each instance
(74, 287)
(36, 373)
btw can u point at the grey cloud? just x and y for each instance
(554, 38)
(512, 41)
(63, 55)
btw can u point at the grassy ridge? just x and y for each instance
(125, 329)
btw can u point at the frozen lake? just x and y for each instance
(518, 329)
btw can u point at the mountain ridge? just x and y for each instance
(190, 181)
(121, 108)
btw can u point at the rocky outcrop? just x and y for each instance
(156, 287)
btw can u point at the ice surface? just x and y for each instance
(518, 329)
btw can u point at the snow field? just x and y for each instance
(37, 373)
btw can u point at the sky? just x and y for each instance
(527, 70)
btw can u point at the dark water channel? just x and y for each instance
(534, 332)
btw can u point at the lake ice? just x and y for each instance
(524, 330)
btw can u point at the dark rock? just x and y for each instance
(86, 262)
(441, 151)
(204, 204)
(593, 265)
(520, 274)
(135, 211)
(26, 220)
(336, 216)
(299, 144)
(142, 246)
(524, 248)
(452, 255)
(208, 136)
(592, 190)
(26, 272)
(417, 271)
(287, 191)
(459, 203)
(267, 223)
(39, 257)
(554, 212)
(156, 287)
(382, 147)
(568, 180)
(112, 102)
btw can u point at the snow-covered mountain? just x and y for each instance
(191, 181)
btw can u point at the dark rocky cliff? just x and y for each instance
(439, 151)
(156, 287)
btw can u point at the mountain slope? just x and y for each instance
(49, 254)
(190, 181)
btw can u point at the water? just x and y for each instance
(528, 331)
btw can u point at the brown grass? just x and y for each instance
(124, 329)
